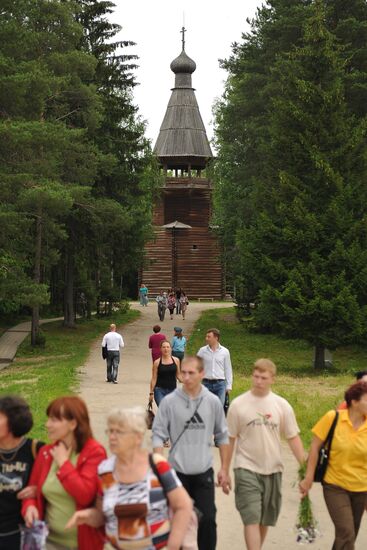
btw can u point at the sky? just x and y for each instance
(212, 26)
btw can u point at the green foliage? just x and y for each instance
(44, 158)
(76, 173)
(299, 157)
(123, 306)
(40, 339)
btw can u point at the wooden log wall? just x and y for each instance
(196, 264)
(189, 208)
(199, 271)
(157, 274)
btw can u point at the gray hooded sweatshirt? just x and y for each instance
(193, 452)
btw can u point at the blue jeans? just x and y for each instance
(218, 387)
(159, 393)
(113, 359)
(161, 311)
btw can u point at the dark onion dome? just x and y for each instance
(183, 64)
(182, 134)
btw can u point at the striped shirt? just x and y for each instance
(136, 514)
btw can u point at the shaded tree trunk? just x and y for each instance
(37, 277)
(69, 310)
(319, 360)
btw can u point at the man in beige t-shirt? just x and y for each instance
(257, 420)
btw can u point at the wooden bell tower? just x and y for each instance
(184, 251)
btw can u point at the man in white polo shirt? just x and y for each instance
(113, 340)
(217, 365)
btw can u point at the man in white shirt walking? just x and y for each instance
(217, 365)
(113, 341)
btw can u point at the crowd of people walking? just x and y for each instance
(188, 418)
(68, 492)
(171, 300)
(78, 498)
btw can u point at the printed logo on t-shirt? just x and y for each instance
(10, 480)
(263, 420)
(195, 422)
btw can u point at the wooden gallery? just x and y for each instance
(184, 251)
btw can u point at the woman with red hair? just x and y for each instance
(65, 474)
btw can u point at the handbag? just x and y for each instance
(34, 538)
(226, 403)
(104, 352)
(324, 452)
(150, 415)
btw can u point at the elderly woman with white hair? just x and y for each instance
(142, 504)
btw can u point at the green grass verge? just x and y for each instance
(310, 392)
(41, 374)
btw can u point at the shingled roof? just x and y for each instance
(182, 133)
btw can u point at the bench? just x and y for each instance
(204, 298)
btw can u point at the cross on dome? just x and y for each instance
(182, 31)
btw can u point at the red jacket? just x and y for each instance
(80, 481)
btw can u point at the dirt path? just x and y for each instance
(13, 337)
(133, 389)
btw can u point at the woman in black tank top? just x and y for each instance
(165, 372)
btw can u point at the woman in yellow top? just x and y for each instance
(345, 481)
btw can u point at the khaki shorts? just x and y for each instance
(258, 497)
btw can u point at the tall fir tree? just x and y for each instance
(242, 128)
(46, 160)
(116, 226)
(308, 239)
(348, 22)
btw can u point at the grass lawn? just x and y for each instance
(41, 374)
(310, 392)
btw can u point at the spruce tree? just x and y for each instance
(308, 239)
(46, 160)
(115, 226)
(242, 127)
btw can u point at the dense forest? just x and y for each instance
(292, 157)
(77, 175)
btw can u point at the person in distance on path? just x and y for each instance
(143, 295)
(256, 421)
(217, 365)
(190, 417)
(162, 303)
(178, 344)
(165, 372)
(155, 341)
(113, 340)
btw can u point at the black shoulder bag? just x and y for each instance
(104, 352)
(324, 452)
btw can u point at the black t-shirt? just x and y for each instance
(166, 376)
(15, 468)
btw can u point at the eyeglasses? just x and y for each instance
(119, 433)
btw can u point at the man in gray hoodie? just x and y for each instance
(190, 417)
